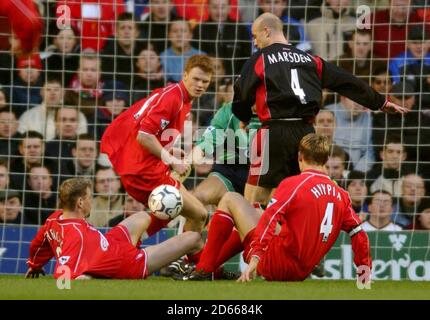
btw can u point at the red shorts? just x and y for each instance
(133, 260)
(276, 264)
(140, 188)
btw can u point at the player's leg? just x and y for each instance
(193, 210)
(256, 194)
(136, 225)
(245, 216)
(221, 232)
(211, 190)
(171, 249)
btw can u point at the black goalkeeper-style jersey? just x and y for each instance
(285, 82)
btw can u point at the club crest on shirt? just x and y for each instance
(272, 201)
(164, 123)
(104, 244)
(63, 260)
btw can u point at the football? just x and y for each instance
(165, 202)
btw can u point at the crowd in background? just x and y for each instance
(56, 103)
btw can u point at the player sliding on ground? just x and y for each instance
(311, 210)
(88, 253)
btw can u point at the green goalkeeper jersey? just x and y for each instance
(225, 140)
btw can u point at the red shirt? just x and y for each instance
(162, 114)
(80, 246)
(25, 20)
(312, 210)
(94, 19)
(389, 39)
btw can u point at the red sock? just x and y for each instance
(195, 257)
(230, 248)
(219, 232)
(156, 225)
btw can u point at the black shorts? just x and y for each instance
(274, 152)
(233, 176)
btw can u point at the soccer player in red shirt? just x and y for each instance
(138, 141)
(311, 210)
(86, 252)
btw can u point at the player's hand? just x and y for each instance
(34, 273)
(178, 153)
(181, 168)
(250, 272)
(391, 107)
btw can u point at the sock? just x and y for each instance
(219, 232)
(156, 225)
(230, 248)
(195, 257)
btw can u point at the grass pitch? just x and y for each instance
(157, 288)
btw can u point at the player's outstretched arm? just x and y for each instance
(390, 107)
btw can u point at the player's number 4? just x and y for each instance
(295, 85)
(326, 224)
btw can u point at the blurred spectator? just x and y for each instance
(11, 207)
(305, 10)
(387, 175)
(225, 91)
(422, 219)
(115, 100)
(93, 19)
(380, 210)
(197, 11)
(148, 75)
(358, 59)
(414, 64)
(335, 165)
(223, 38)
(354, 132)
(130, 207)
(247, 10)
(414, 127)
(4, 174)
(176, 56)
(119, 51)
(84, 159)
(3, 99)
(9, 136)
(63, 56)
(26, 87)
(155, 24)
(293, 30)
(357, 189)
(39, 200)
(329, 32)
(209, 103)
(381, 80)
(87, 87)
(389, 28)
(31, 149)
(325, 124)
(66, 125)
(42, 117)
(413, 192)
(107, 203)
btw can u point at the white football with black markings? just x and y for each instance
(165, 202)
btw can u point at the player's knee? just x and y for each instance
(195, 239)
(227, 201)
(202, 196)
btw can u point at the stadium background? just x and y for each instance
(140, 61)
